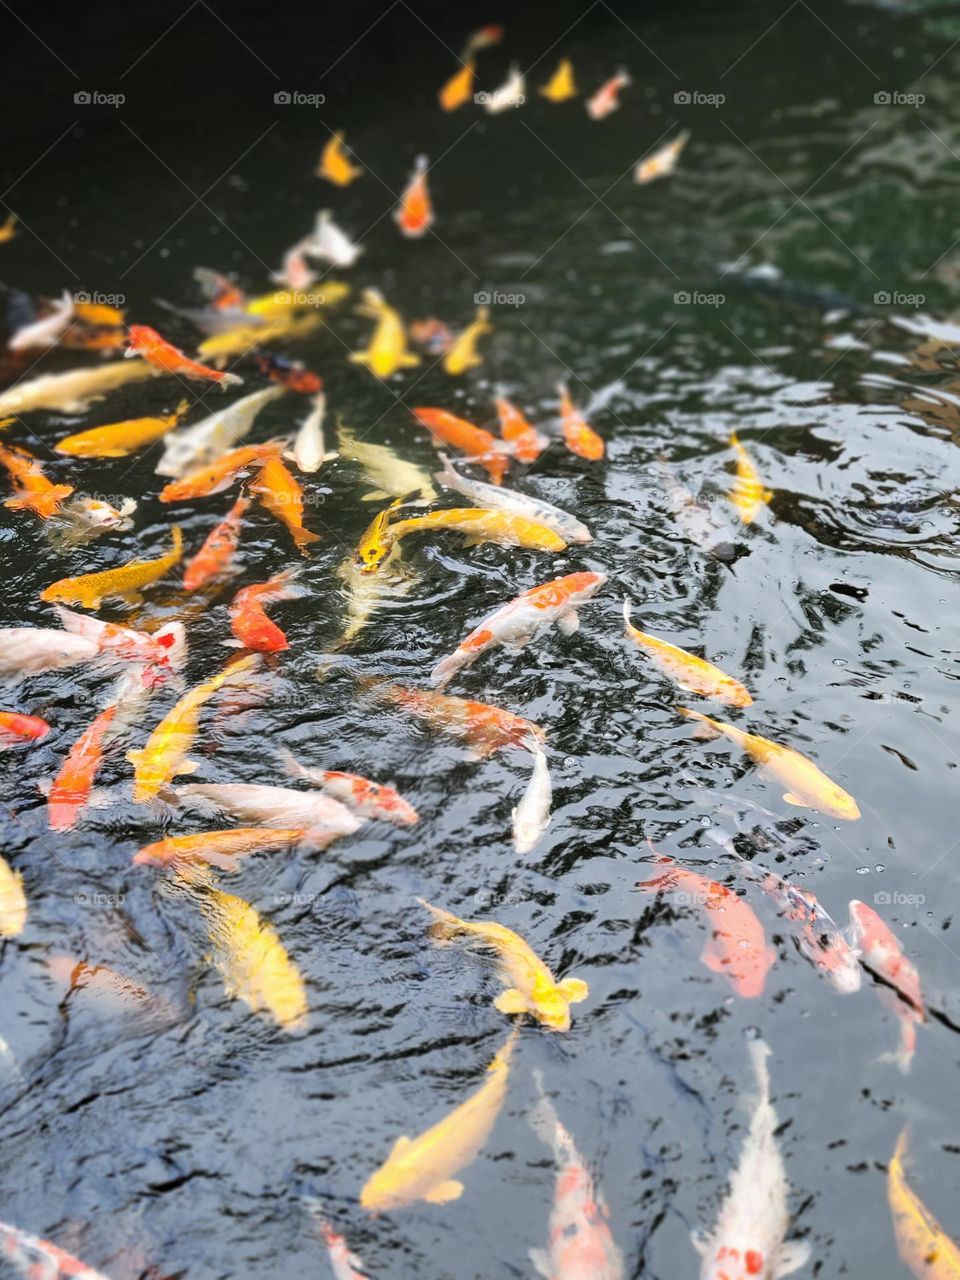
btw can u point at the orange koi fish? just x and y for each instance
(283, 498)
(528, 443)
(16, 729)
(213, 559)
(222, 473)
(34, 1257)
(478, 444)
(90, 588)
(882, 954)
(458, 90)
(32, 490)
(486, 729)
(71, 787)
(248, 622)
(607, 98)
(414, 213)
(662, 162)
(146, 342)
(119, 439)
(8, 229)
(216, 848)
(363, 797)
(579, 437)
(335, 165)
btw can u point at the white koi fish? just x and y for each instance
(25, 651)
(881, 953)
(73, 390)
(309, 451)
(510, 94)
(200, 445)
(47, 332)
(531, 817)
(331, 243)
(503, 499)
(167, 646)
(322, 818)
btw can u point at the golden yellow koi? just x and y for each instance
(480, 524)
(165, 753)
(422, 1168)
(809, 788)
(237, 342)
(387, 351)
(9, 228)
(119, 439)
(335, 165)
(692, 674)
(74, 390)
(392, 476)
(13, 901)
(924, 1247)
(534, 989)
(282, 304)
(748, 494)
(561, 84)
(463, 354)
(90, 588)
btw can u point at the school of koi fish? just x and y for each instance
(482, 466)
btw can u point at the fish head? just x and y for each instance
(551, 1007)
(839, 804)
(376, 543)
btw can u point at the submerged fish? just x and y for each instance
(663, 161)
(73, 391)
(335, 165)
(32, 491)
(485, 728)
(391, 475)
(282, 496)
(214, 558)
(126, 582)
(479, 445)
(248, 622)
(46, 332)
(458, 90)
(165, 647)
(697, 518)
(309, 451)
(414, 214)
(120, 439)
(925, 1248)
(692, 674)
(13, 901)
(361, 796)
(882, 954)
(344, 1263)
(17, 729)
(321, 818)
(38, 1259)
(221, 474)
(477, 524)
(82, 519)
(208, 440)
(462, 354)
(27, 650)
(510, 94)
(329, 242)
(146, 342)
(578, 435)
(748, 494)
(531, 817)
(70, 791)
(387, 351)
(607, 98)
(504, 499)
(221, 849)
(365, 593)
(526, 441)
(561, 84)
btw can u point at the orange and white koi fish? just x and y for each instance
(692, 674)
(207, 441)
(531, 816)
(925, 1249)
(581, 1245)
(579, 437)
(146, 342)
(414, 213)
(423, 1168)
(387, 351)
(606, 100)
(532, 987)
(737, 946)
(165, 647)
(663, 161)
(512, 93)
(361, 796)
(748, 494)
(478, 524)
(70, 791)
(221, 474)
(458, 90)
(321, 818)
(344, 1263)
(528, 443)
(248, 622)
(99, 983)
(120, 439)
(83, 518)
(523, 620)
(882, 954)
(8, 229)
(13, 901)
(521, 504)
(462, 354)
(561, 84)
(222, 849)
(214, 558)
(335, 165)
(283, 498)
(25, 651)
(38, 1259)
(72, 391)
(480, 445)
(32, 490)
(808, 787)
(125, 583)
(165, 752)
(749, 1241)
(485, 728)
(17, 729)
(295, 272)
(46, 332)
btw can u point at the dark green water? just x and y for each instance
(184, 1149)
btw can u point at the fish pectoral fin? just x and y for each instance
(569, 623)
(541, 1262)
(573, 990)
(795, 800)
(713, 959)
(134, 757)
(791, 1255)
(132, 597)
(187, 766)
(400, 1146)
(475, 540)
(701, 1241)
(444, 1192)
(511, 1001)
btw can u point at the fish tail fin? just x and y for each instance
(544, 1120)
(444, 671)
(734, 440)
(900, 1150)
(447, 473)
(759, 1053)
(176, 533)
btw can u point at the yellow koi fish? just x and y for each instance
(74, 390)
(237, 342)
(422, 1168)
(463, 354)
(692, 674)
(480, 524)
(924, 1247)
(561, 85)
(119, 439)
(387, 351)
(165, 753)
(335, 165)
(13, 901)
(748, 494)
(90, 588)
(282, 305)
(392, 476)
(534, 989)
(9, 228)
(809, 788)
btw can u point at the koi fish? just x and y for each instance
(32, 490)
(433, 335)
(925, 1248)
(329, 243)
(70, 792)
(458, 90)
(335, 165)
(82, 519)
(809, 788)
(213, 559)
(8, 229)
(692, 674)
(749, 1239)
(365, 594)
(485, 728)
(463, 354)
(533, 988)
(283, 327)
(13, 901)
(484, 38)
(579, 437)
(221, 849)
(248, 622)
(98, 983)
(881, 953)
(206, 441)
(345, 1264)
(99, 315)
(165, 647)
(46, 332)
(295, 272)
(89, 589)
(391, 476)
(290, 374)
(522, 620)
(165, 752)
(737, 946)
(422, 1168)
(748, 494)
(561, 84)
(72, 391)
(510, 94)
(308, 450)
(536, 509)
(528, 443)
(280, 308)
(606, 100)
(481, 446)
(26, 651)
(531, 816)
(697, 518)
(479, 525)
(361, 796)
(221, 474)
(120, 439)
(283, 498)
(146, 342)
(36, 1258)
(319, 817)
(387, 351)
(17, 729)
(581, 1245)
(662, 162)
(414, 214)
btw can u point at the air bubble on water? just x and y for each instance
(839, 662)
(569, 761)
(880, 868)
(705, 820)
(751, 1033)
(863, 871)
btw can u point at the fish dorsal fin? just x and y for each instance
(791, 1255)
(401, 1145)
(444, 1192)
(700, 1240)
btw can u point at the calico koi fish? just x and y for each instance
(17, 729)
(925, 1248)
(32, 490)
(882, 954)
(70, 792)
(606, 100)
(38, 1259)
(73, 391)
(479, 525)
(480, 445)
(414, 214)
(13, 901)
(523, 620)
(462, 354)
(501, 498)
(221, 474)
(214, 558)
(222, 849)
(165, 647)
(83, 518)
(528, 443)
(361, 796)
(125, 583)
(692, 674)
(146, 342)
(120, 439)
(512, 93)
(391, 475)
(321, 818)
(662, 162)
(335, 164)
(283, 498)
(485, 728)
(248, 622)
(206, 441)
(579, 437)
(387, 351)
(531, 816)
(748, 494)
(561, 84)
